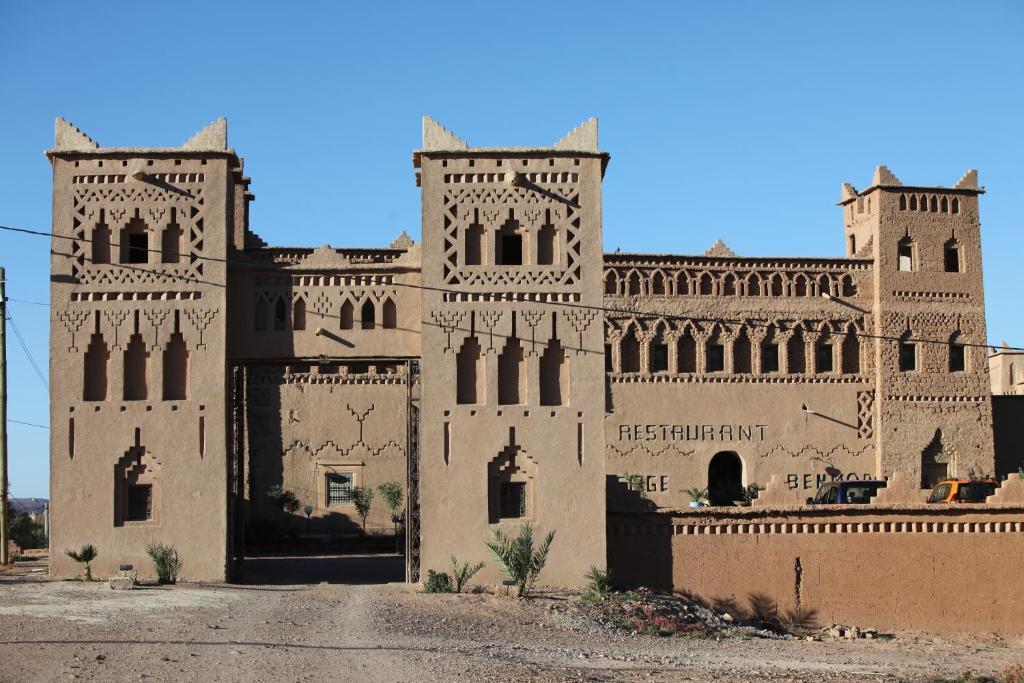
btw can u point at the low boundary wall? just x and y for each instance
(958, 569)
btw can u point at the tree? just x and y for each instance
(85, 556)
(517, 557)
(362, 497)
(26, 533)
(391, 492)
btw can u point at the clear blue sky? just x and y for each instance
(737, 120)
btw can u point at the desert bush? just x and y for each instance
(517, 557)
(283, 498)
(362, 497)
(85, 556)
(462, 573)
(437, 582)
(166, 560)
(598, 582)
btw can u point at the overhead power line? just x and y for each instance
(765, 324)
(27, 424)
(24, 347)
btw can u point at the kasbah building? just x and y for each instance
(505, 369)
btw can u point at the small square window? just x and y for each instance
(513, 499)
(339, 488)
(716, 358)
(140, 503)
(908, 357)
(823, 358)
(659, 358)
(770, 358)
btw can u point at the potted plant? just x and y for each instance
(697, 496)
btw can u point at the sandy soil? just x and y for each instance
(60, 630)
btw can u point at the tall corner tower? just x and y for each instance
(934, 395)
(138, 407)
(513, 351)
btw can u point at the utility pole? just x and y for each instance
(4, 526)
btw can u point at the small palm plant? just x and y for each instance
(518, 558)
(166, 560)
(462, 573)
(85, 556)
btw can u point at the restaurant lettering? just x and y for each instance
(700, 432)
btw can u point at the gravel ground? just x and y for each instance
(62, 630)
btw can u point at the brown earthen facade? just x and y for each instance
(504, 370)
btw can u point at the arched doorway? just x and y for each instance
(725, 478)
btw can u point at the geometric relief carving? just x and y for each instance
(449, 321)
(73, 321)
(200, 319)
(136, 495)
(865, 414)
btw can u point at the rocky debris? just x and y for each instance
(838, 631)
(121, 583)
(643, 612)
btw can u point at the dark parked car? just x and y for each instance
(846, 492)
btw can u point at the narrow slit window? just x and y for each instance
(908, 356)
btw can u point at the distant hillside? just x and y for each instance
(27, 505)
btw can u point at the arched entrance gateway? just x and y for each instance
(725, 478)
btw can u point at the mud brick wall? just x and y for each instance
(892, 568)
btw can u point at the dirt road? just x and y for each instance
(53, 630)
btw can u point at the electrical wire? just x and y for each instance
(27, 424)
(24, 301)
(603, 309)
(24, 347)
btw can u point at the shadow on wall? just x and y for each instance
(762, 611)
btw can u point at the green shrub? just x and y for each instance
(437, 582)
(26, 533)
(166, 560)
(85, 556)
(362, 497)
(462, 573)
(284, 499)
(517, 557)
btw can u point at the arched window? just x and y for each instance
(903, 202)
(753, 285)
(280, 314)
(847, 287)
(682, 283)
(905, 255)
(851, 351)
(933, 204)
(945, 205)
(775, 285)
(389, 314)
(611, 283)
(687, 351)
(796, 353)
(951, 256)
(299, 314)
(741, 357)
(366, 315)
(346, 318)
(658, 283)
(955, 205)
(657, 357)
(957, 354)
(633, 284)
(630, 355)
(799, 285)
(729, 285)
(101, 241)
(170, 247)
(705, 285)
(913, 202)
